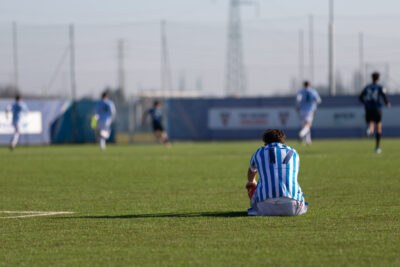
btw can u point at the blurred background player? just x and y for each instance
(16, 108)
(371, 97)
(156, 118)
(277, 192)
(104, 115)
(307, 101)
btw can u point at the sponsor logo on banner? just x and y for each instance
(225, 117)
(287, 118)
(251, 118)
(30, 123)
(283, 117)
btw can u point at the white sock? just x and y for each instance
(14, 140)
(304, 131)
(102, 143)
(308, 138)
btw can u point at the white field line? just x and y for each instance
(33, 213)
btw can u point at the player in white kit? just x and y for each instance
(17, 108)
(104, 113)
(307, 101)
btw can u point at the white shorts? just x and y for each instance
(104, 128)
(306, 117)
(280, 206)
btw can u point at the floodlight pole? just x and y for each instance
(361, 58)
(166, 77)
(311, 46)
(332, 78)
(121, 70)
(301, 55)
(72, 61)
(15, 55)
(73, 82)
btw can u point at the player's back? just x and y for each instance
(105, 109)
(278, 167)
(308, 99)
(17, 108)
(156, 115)
(372, 94)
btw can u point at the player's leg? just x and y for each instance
(309, 119)
(370, 122)
(102, 143)
(306, 128)
(281, 207)
(378, 122)
(370, 128)
(165, 140)
(15, 138)
(378, 137)
(252, 211)
(308, 138)
(103, 133)
(302, 208)
(305, 133)
(158, 135)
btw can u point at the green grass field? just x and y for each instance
(146, 205)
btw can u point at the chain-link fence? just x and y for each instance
(275, 59)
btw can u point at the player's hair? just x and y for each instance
(306, 84)
(104, 95)
(156, 103)
(375, 76)
(17, 98)
(274, 136)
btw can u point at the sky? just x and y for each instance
(196, 36)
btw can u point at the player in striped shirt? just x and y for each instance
(17, 108)
(277, 192)
(307, 101)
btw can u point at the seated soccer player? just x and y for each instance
(277, 192)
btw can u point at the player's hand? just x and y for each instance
(251, 184)
(389, 105)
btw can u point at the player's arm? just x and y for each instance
(251, 176)
(362, 96)
(25, 108)
(95, 117)
(144, 117)
(96, 110)
(298, 100)
(252, 173)
(113, 111)
(384, 96)
(317, 98)
(8, 110)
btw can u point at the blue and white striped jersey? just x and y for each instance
(278, 167)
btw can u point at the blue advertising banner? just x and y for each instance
(236, 119)
(35, 124)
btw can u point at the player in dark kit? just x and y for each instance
(156, 119)
(371, 97)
